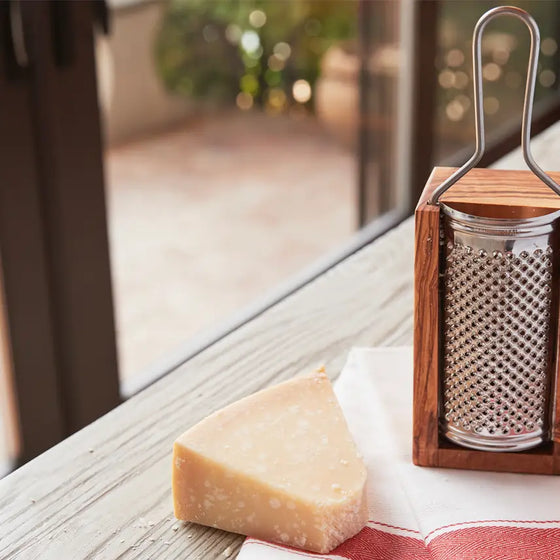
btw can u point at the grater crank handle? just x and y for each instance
(478, 94)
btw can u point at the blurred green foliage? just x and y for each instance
(215, 49)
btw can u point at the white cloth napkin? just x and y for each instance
(422, 513)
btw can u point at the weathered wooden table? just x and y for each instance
(105, 492)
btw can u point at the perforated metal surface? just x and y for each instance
(496, 342)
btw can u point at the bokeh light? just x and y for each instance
(454, 110)
(282, 51)
(256, 54)
(257, 18)
(233, 33)
(250, 41)
(500, 55)
(446, 78)
(547, 78)
(276, 100)
(461, 80)
(301, 90)
(249, 84)
(491, 71)
(549, 46)
(275, 63)
(455, 57)
(464, 101)
(491, 105)
(244, 100)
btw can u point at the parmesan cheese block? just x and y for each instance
(279, 465)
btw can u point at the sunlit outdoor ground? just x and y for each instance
(207, 217)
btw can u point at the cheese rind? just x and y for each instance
(279, 465)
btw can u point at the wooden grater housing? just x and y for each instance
(490, 193)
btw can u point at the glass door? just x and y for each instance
(233, 134)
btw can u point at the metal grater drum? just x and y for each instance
(498, 283)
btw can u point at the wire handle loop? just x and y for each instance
(478, 95)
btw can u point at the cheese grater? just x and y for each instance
(486, 305)
(498, 324)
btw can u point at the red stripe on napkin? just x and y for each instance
(472, 543)
(497, 543)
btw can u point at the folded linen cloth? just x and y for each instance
(421, 513)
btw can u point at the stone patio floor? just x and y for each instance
(205, 218)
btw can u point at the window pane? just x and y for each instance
(505, 52)
(232, 153)
(385, 58)
(231, 157)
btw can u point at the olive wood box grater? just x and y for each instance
(492, 194)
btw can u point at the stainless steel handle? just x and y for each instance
(478, 94)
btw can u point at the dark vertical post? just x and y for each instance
(56, 298)
(28, 330)
(67, 127)
(424, 98)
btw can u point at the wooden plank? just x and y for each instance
(105, 492)
(539, 461)
(426, 336)
(556, 460)
(491, 187)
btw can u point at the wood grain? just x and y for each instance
(538, 461)
(426, 336)
(481, 188)
(104, 493)
(556, 457)
(490, 193)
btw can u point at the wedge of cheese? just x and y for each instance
(279, 465)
